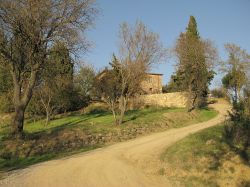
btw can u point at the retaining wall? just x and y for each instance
(176, 99)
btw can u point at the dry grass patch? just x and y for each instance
(205, 159)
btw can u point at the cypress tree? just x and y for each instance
(192, 74)
(191, 30)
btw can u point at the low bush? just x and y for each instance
(6, 104)
(96, 108)
(237, 129)
(218, 93)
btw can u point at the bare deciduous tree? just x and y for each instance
(139, 50)
(28, 29)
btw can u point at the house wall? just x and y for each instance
(152, 84)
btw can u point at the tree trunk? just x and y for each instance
(21, 100)
(18, 119)
(193, 101)
(236, 94)
(115, 118)
(123, 106)
(112, 107)
(47, 117)
(47, 108)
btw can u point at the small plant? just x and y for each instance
(237, 130)
(96, 108)
(214, 165)
(6, 155)
(218, 93)
(161, 171)
(245, 183)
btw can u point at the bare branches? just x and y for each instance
(29, 29)
(44, 22)
(139, 45)
(139, 50)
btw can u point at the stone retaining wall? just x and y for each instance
(176, 99)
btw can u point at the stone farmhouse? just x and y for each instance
(153, 96)
(152, 84)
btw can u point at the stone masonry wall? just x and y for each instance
(152, 84)
(176, 99)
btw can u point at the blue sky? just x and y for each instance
(221, 21)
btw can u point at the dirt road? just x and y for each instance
(128, 164)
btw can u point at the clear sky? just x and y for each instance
(221, 21)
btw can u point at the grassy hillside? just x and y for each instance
(205, 159)
(77, 132)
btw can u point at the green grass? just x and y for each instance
(200, 156)
(24, 162)
(206, 114)
(201, 116)
(93, 123)
(187, 156)
(186, 151)
(103, 122)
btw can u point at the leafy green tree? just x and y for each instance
(176, 82)
(53, 92)
(195, 58)
(236, 81)
(83, 82)
(62, 69)
(235, 68)
(6, 89)
(218, 93)
(192, 30)
(5, 80)
(59, 89)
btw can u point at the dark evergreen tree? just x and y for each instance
(6, 89)
(54, 92)
(193, 74)
(192, 30)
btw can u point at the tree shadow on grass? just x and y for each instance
(48, 144)
(21, 163)
(135, 114)
(52, 132)
(243, 152)
(45, 145)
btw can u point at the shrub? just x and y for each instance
(218, 93)
(213, 101)
(95, 108)
(237, 129)
(6, 155)
(6, 104)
